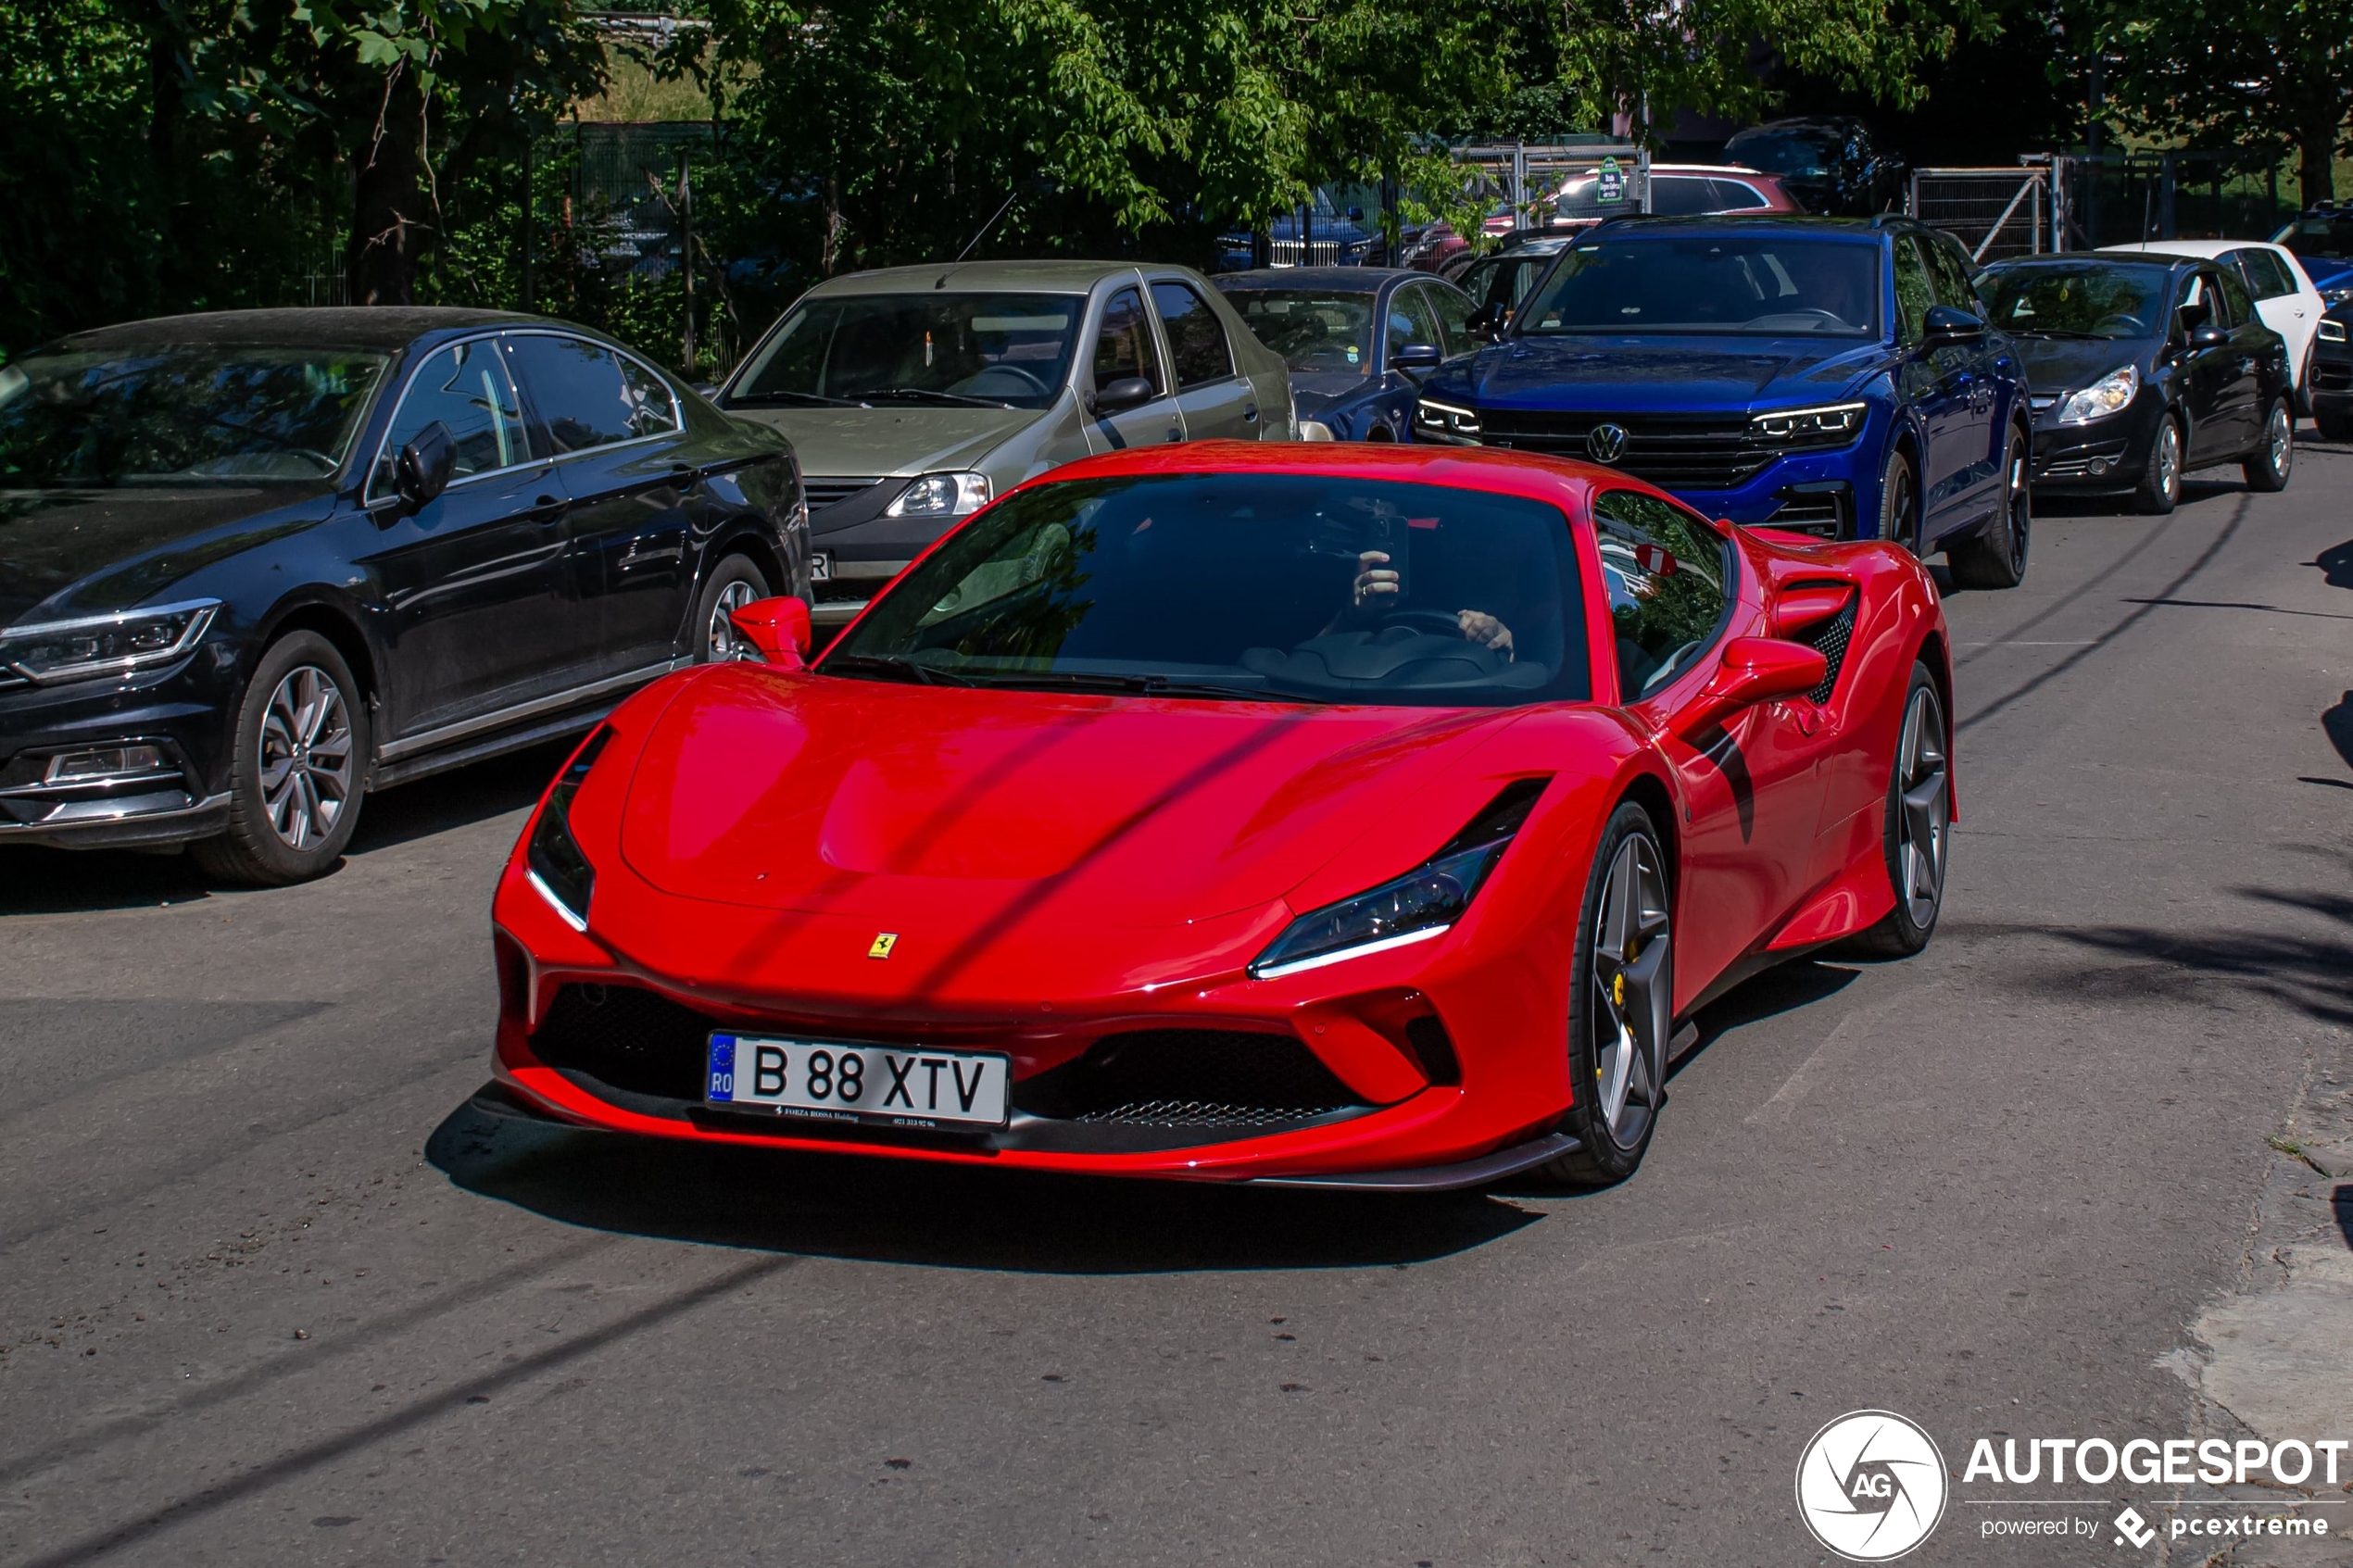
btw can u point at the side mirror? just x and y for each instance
(1127, 392)
(778, 628)
(1945, 323)
(422, 469)
(2208, 335)
(1418, 358)
(1755, 669)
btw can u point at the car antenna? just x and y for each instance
(1010, 197)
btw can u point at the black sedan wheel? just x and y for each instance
(297, 760)
(2268, 466)
(733, 583)
(2160, 488)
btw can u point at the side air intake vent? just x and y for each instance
(631, 1038)
(1190, 1078)
(1831, 637)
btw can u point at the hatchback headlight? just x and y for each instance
(1446, 422)
(106, 644)
(1423, 903)
(2112, 393)
(941, 494)
(557, 868)
(2332, 332)
(1832, 424)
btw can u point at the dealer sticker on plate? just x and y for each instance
(829, 1081)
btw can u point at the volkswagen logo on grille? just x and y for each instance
(1606, 443)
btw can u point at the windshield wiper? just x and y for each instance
(890, 664)
(923, 395)
(809, 399)
(1146, 685)
(2059, 331)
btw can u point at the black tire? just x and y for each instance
(1996, 558)
(1905, 929)
(2270, 466)
(733, 583)
(2333, 424)
(1641, 977)
(2159, 490)
(290, 811)
(1899, 502)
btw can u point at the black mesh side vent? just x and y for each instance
(1190, 1078)
(1831, 637)
(633, 1039)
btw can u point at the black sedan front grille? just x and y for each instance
(1672, 451)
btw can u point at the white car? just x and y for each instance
(2284, 294)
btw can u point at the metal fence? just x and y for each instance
(624, 190)
(1995, 213)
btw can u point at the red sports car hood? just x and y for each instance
(858, 797)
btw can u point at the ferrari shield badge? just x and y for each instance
(884, 942)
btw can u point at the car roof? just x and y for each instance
(1042, 277)
(335, 326)
(1840, 122)
(1333, 280)
(1563, 481)
(2108, 256)
(2203, 249)
(1747, 222)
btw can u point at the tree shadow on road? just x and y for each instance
(944, 1216)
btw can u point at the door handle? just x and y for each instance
(1174, 433)
(549, 509)
(1250, 413)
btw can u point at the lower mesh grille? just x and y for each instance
(631, 1038)
(1831, 638)
(1190, 1078)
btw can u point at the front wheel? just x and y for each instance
(1996, 558)
(1917, 834)
(2268, 467)
(1621, 1004)
(2159, 490)
(296, 760)
(733, 583)
(1898, 501)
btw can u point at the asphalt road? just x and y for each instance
(269, 1293)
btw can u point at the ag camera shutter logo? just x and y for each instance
(1872, 1486)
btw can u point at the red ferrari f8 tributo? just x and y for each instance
(1331, 815)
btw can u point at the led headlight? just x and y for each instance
(1423, 903)
(2332, 332)
(106, 644)
(2112, 394)
(1446, 422)
(1832, 424)
(2337, 295)
(557, 869)
(941, 494)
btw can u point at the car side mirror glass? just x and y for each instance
(2207, 335)
(1127, 392)
(778, 628)
(1948, 323)
(422, 470)
(1756, 670)
(1356, 215)
(1418, 357)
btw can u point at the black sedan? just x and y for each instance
(2333, 375)
(255, 564)
(1833, 163)
(2143, 371)
(1355, 338)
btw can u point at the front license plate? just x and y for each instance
(827, 1081)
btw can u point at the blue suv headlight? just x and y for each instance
(1830, 424)
(1446, 422)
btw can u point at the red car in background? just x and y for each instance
(1317, 814)
(1677, 189)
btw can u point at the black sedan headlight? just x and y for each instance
(106, 644)
(2332, 332)
(557, 869)
(1423, 903)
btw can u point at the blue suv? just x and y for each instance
(1831, 377)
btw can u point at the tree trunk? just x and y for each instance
(392, 220)
(2318, 145)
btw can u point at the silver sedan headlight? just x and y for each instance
(2112, 393)
(942, 494)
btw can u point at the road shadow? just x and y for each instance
(2338, 724)
(35, 880)
(944, 1216)
(459, 798)
(2336, 565)
(1783, 989)
(2343, 1203)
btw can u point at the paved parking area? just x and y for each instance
(269, 1294)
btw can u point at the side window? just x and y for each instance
(657, 406)
(1194, 335)
(1914, 293)
(1411, 320)
(465, 387)
(1666, 576)
(2260, 271)
(2234, 291)
(1123, 345)
(1681, 195)
(577, 390)
(1453, 310)
(1731, 195)
(1950, 269)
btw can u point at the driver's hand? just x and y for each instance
(1485, 630)
(1374, 586)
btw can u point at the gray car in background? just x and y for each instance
(914, 396)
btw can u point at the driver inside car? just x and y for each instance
(1375, 593)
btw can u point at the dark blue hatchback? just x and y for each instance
(1836, 378)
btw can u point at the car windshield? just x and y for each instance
(2319, 234)
(1275, 587)
(218, 413)
(1312, 329)
(1504, 279)
(1801, 153)
(1005, 349)
(1781, 285)
(2090, 299)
